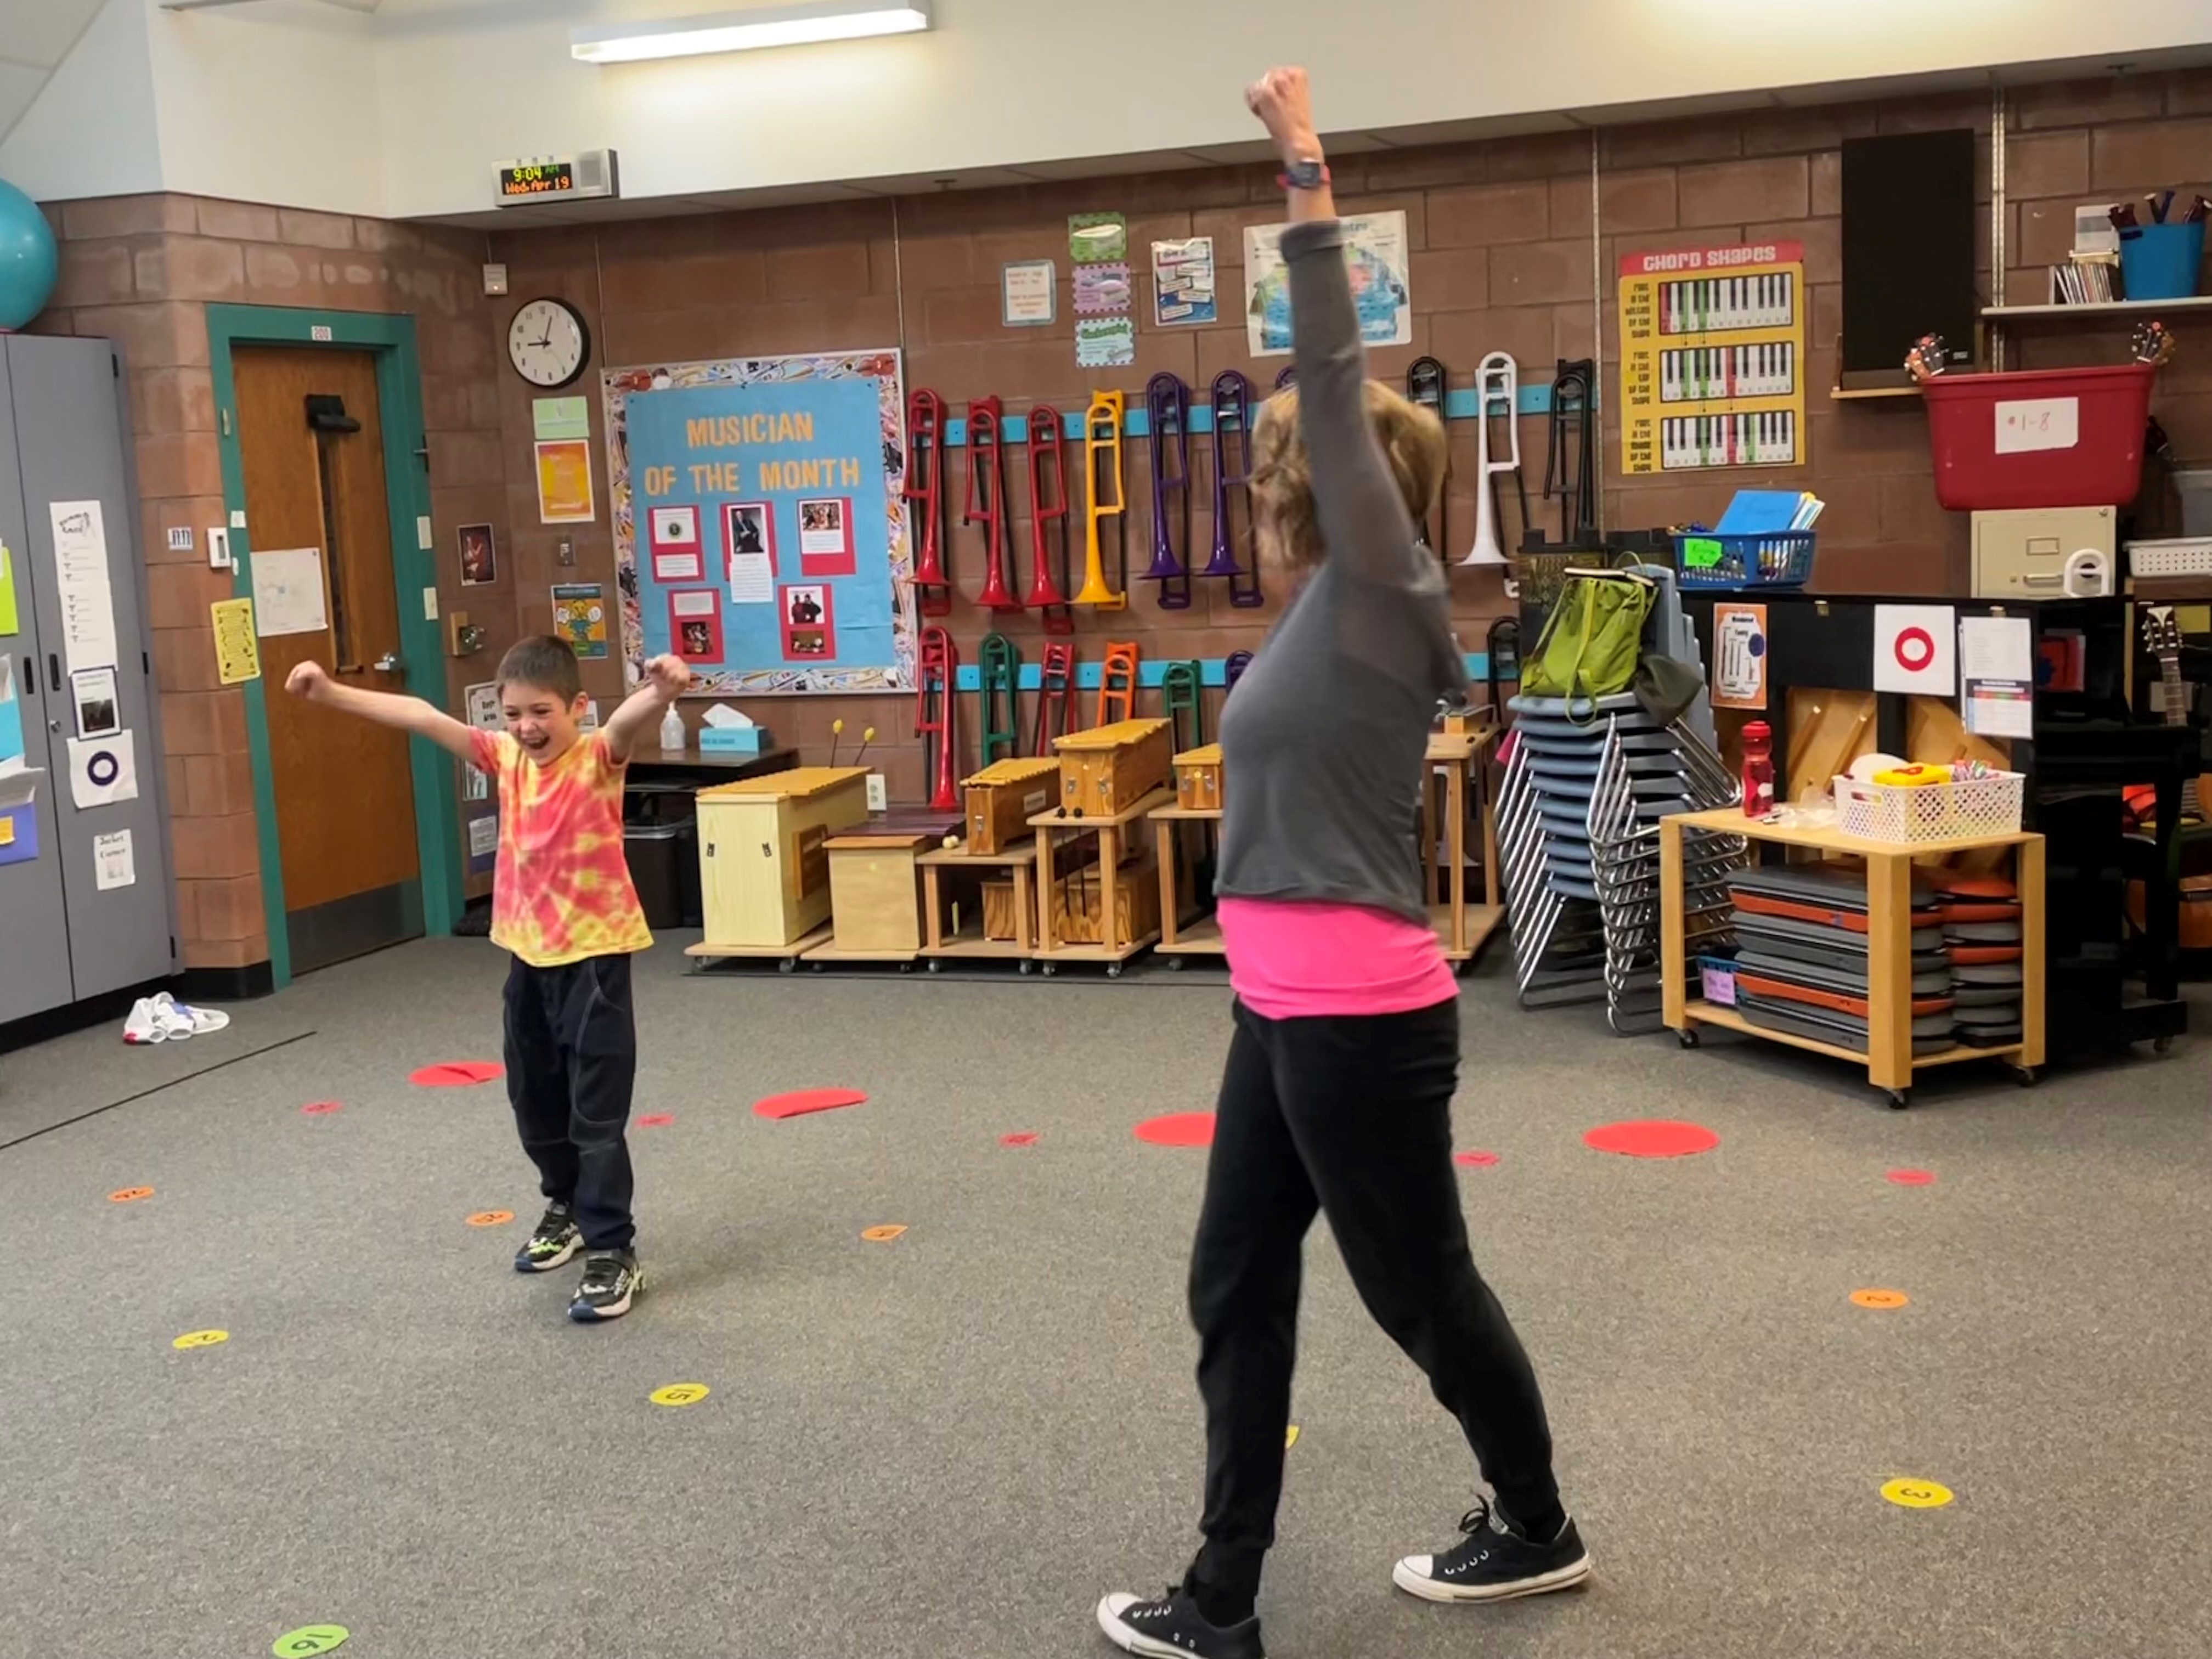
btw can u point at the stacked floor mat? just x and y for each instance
(1982, 928)
(1577, 831)
(1801, 963)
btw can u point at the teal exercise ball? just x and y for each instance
(28, 260)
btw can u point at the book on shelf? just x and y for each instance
(2086, 279)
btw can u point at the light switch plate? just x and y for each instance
(425, 537)
(564, 551)
(218, 540)
(429, 604)
(879, 796)
(237, 517)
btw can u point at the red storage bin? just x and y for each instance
(2064, 437)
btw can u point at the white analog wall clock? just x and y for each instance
(547, 343)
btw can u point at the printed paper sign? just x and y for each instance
(112, 864)
(748, 537)
(103, 771)
(81, 583)
(673, 532)
(1105, 343)
(1915, 649)
(1182, 282)
(237, 651)
(1097, 238)
(1375, 249)
(552, 418)
(92, 692)
(564, 482)
(1996, 676)
(809, 621)
(2032, 423)
(288, 591)
(483, 837)
(1739, 656)
(825, 537)
(8, 621)
(1027, 291)
(695, 624)
(1101, 288)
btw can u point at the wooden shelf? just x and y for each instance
(970, 942)
(2119, 310)
(1707, 1013)
(1730, 821)
(1201, 938)
(1052, 818)
(708, 950)
(1870, 393)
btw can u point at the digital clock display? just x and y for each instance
(526, 178)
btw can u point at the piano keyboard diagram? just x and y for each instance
(1712, 358)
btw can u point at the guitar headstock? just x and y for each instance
(2162, 632)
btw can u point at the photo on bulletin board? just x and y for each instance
(676, 556)
(479, 556)
(795, 465)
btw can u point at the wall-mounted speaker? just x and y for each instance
(1908, 252)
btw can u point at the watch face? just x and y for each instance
(547, 343)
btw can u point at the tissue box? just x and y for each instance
(732, 739)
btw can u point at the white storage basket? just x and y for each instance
(1929, 811)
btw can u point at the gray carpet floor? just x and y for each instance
(952, 1442)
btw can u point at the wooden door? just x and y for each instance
(345, 799)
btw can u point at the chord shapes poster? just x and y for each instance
(1712, 358)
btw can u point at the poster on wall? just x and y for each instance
(1375, 251)
(479, 555)
(1182, 282)
(791, 467)
(580, 617)
(564, 482)
(1739, 656)
(1712, 358)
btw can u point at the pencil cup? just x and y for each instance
(2160, 262)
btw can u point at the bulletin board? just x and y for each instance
(1712, 357)
(760, 532)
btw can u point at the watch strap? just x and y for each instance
(1304, 175)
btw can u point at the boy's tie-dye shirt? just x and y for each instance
(561, 889)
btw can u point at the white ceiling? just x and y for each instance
(35, 35)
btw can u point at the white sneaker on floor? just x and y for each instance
(142, 1027)
(184, 1021)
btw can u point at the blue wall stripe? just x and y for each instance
(1212, 671)
(1015, 428)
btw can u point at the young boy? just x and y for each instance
(563, 905)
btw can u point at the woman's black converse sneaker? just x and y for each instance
(552, 1242)
(1495, 1562)
(1170, 1627)
(611, 1280)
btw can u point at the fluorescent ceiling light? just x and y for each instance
(748, 31)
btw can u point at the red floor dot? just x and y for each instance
(1475, 1160)
(1178, 1129)
(456, 1073)
(1025, 1137)
(1652, 1138)
(800, 1102)
(319, 1108)
(656, 1120)
(1912, 1177)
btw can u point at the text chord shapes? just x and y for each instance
(191, 1339)
(456, 1073)
(130, 1194)
(883, 1235)
(1652, 1138)
(680, 1393)
(491, 1218)
(1881, 1300)
(1178, 1129)
(1909, 1493)
(800, 1102)
(309, 1640)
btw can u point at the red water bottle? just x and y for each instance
(1758, 770)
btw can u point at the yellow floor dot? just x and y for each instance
(1290, 1439)
(1912, 1494)
(680, 1393)
(200, 1339)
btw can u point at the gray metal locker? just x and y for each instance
(63, 438)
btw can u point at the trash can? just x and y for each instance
(664, 867)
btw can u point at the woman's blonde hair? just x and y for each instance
(1412, 440)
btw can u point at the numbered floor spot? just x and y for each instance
(680, 1393)
(1908, 1493)
(130, 1194)
(881, 1235)
(491, 1218)
(200, 1339)
(309, 1640)
(1881, 1299)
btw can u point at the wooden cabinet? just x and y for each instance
(876, 891)
(763, 853)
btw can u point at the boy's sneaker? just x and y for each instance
(611, 1280)
(552, 1242)
(1495, 1562)
(1171, 1627)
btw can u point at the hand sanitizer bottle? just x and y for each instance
(672, 730)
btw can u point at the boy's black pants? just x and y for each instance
(571, 1059)
(1350, 1116)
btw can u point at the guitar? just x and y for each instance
(2161, 637)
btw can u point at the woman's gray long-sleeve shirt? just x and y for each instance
(1323, 742)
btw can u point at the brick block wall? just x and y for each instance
(141, 270)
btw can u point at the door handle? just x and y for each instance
(389, 663)
(53, 669)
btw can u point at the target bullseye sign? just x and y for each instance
(1915, 649)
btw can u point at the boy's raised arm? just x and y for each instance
(410, 714)
(665, 678)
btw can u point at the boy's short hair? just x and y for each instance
(544, 662)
